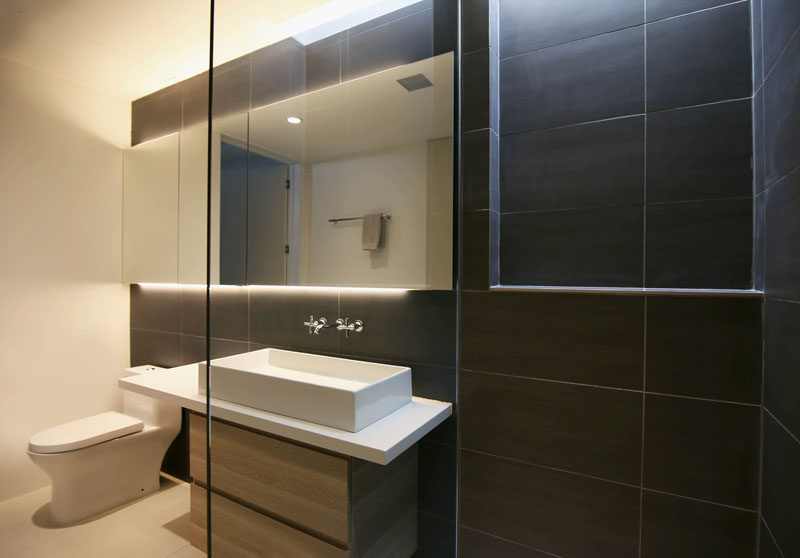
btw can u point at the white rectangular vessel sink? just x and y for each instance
(337, 392)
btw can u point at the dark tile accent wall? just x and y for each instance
(657, 395)
(676, 526)
(626, 106)
(289, 68)
(612, 424)
(777, 140)
(415, 329)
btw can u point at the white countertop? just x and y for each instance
(379, 442)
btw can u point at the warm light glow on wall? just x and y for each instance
(279, 288)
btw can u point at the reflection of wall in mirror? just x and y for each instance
(413, 183)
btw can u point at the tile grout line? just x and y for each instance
(644, 401)
(602, 479)
(644, 23)
(515, 543)
(644, 209)
(775, 182)
(621, 117)
(622, 206)
(780, 54)
(771, 536)
(761, 427)
(783, 426)
(612, 388)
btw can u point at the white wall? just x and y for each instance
(394, 182)
(63, 310)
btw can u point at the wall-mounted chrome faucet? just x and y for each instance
(345, 325)
(315, 326)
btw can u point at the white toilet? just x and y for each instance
(100, 462)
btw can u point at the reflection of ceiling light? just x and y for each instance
(294, 120)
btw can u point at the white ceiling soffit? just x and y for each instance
(129, 49)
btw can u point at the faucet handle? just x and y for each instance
(347, 327)
(311, 324)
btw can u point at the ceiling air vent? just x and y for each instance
(415, 82)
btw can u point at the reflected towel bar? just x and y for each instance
(335, 220)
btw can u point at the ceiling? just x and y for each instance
(370, 114)
(128, 49)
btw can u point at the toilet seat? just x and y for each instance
(84, 432)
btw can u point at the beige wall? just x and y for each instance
(64, 312)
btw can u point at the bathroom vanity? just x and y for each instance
(283, 486)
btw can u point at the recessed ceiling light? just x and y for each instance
(294, 120)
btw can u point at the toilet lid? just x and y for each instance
(84, 432)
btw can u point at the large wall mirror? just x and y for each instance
(348, 185)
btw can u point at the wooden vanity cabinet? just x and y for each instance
(272, 497)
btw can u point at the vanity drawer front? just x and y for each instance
(301, 485)
(239, 532)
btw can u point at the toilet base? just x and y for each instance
(92, 480)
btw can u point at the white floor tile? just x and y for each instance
(156, 526)
(59, 546)
(188, 552)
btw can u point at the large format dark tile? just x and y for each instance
(229, 312)
(782, 362)
(156, 308)
(477, 82)
(476, 250)
(232, 87)
(781, 19)
(576, 166)
(400, 42)
(584, 247)
(673, 526)
(195, 100)
(660, 9)
(155, 347)
(780, 498)
(527, 25)
(766, 545)
(699, 58)
(759, 241)
(409, 327)
(700, 153)
(782, 260)
(277, 316)
(560, 513)
(437, 479)
(278, 72)
(704, 244)
(590, 79)
(476, 19)
(436, 536)
(193, 349)
(323, 65)
(759, 154)
(702, 449)
(782, 114)
(446, 26)
(591, 339)
(474, 544)
(704, 347)
(758, 45)
(391, 17)
(583, 429)
(156, 115)
(479, 161)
